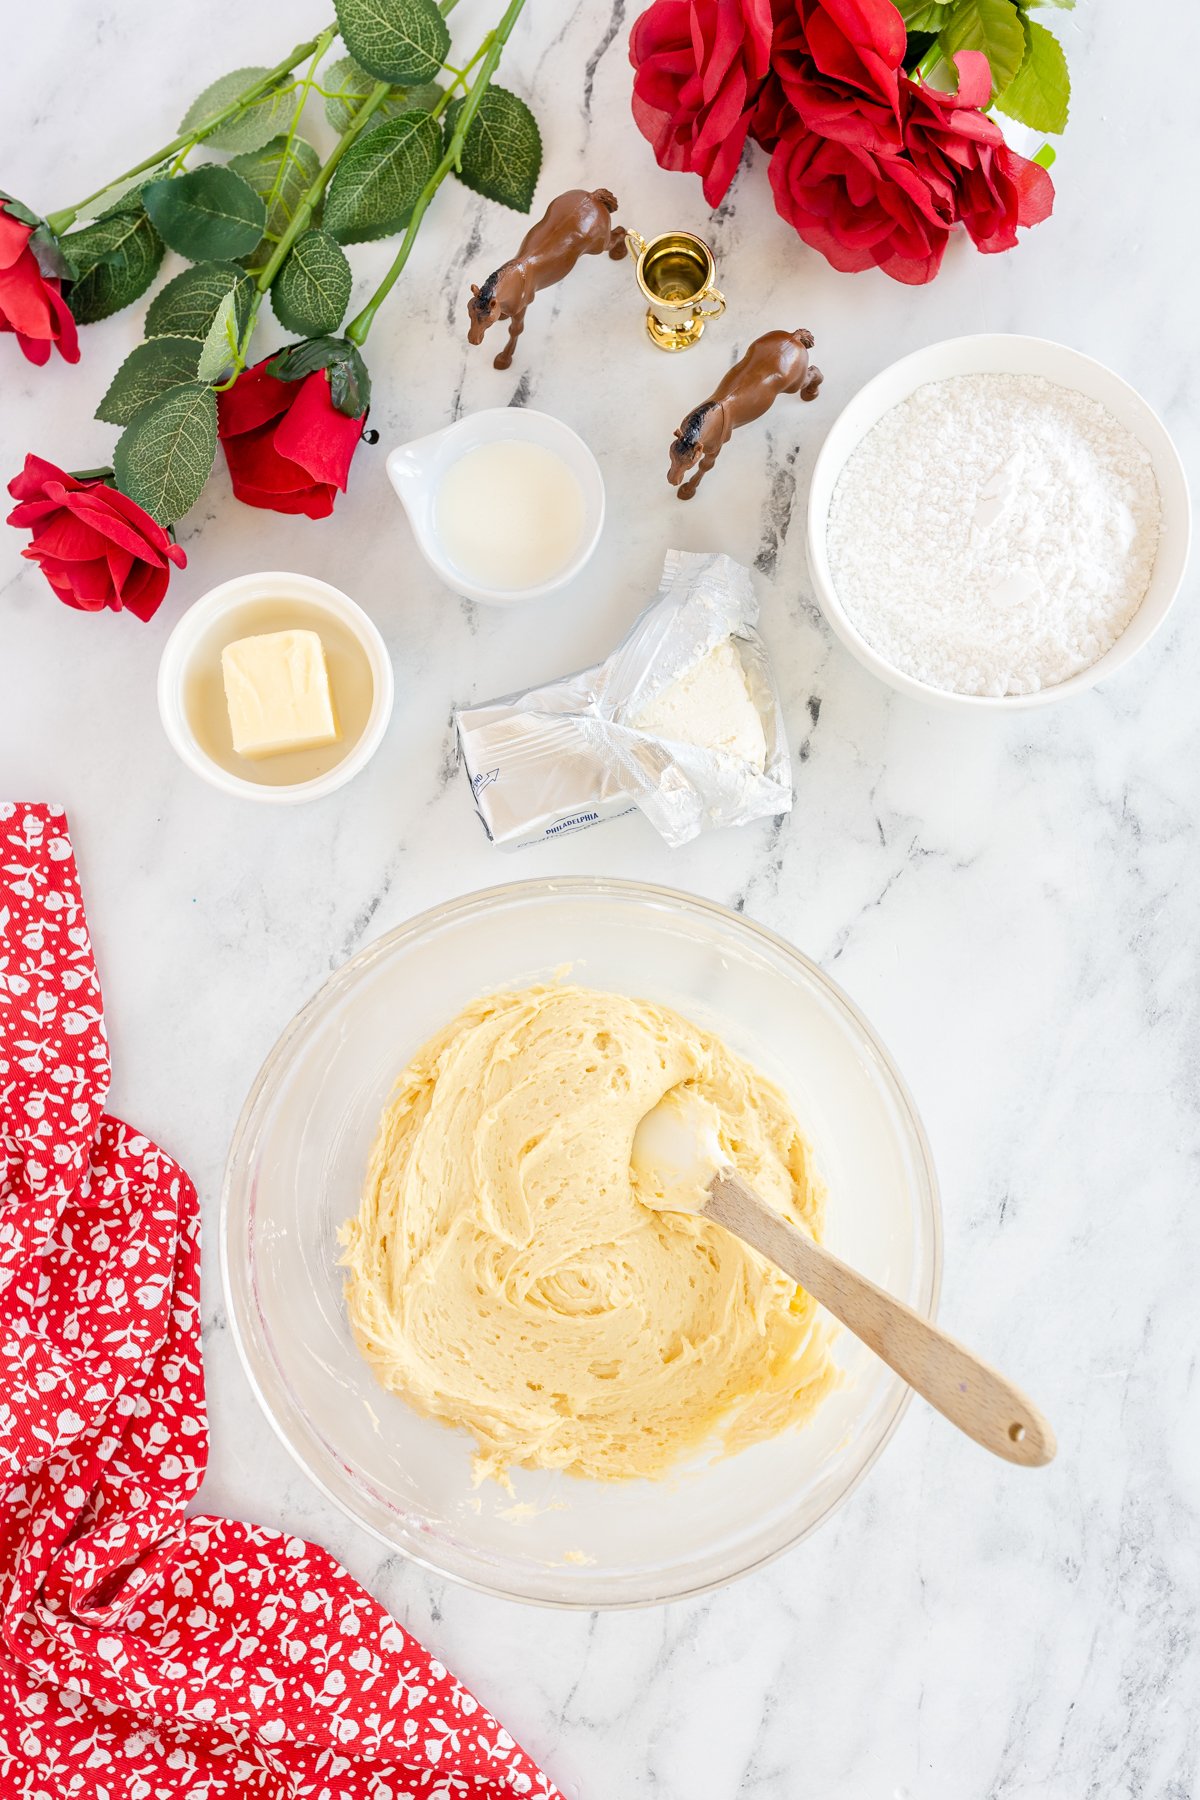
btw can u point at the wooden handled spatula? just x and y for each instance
(679, 1167)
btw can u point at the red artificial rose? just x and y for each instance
(976, 179)
(699, 66)
(838, 62)
(773, 113)
(858, 209)
(288, 447)
(95, 546)
(31, 304)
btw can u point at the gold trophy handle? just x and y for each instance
(637, 244)
(710, 312)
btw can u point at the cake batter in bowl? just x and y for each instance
(505, 1275)
(296, 1175)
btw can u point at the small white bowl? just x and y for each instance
(231, 596)
(1004, 354)
(416, 470)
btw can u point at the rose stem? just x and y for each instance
(303, 213)
(305, 86)
(928, 63)
(488, 57)
(62, 221)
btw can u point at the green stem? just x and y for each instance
(63, 220)
(490, 56)
(442, 102)
(304, 88)
(301, 218)
(460, 78)
(929, 62)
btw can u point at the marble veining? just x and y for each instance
(1012, 902)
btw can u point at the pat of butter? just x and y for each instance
(277, 692)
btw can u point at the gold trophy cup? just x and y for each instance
(675, 272)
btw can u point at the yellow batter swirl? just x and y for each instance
(503, 1274)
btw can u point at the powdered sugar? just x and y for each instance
(994, 534)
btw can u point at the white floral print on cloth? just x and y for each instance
(145, 1655)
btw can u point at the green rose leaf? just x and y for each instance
(219, 349)
(347, 86)
(378, 181)
(502, 151)
(921, 17)
(162, 460)
(422, 98)
(117, 257)
(187, 306)
(311, 292)
(1040, 93)
(256, 124)
(280, 174)
(402, 41)
(210, 214)
(147, 372)
(993, 26)
(349, 382)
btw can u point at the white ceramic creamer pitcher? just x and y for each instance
(417, 469)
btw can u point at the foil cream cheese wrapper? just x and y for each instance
(564, 756)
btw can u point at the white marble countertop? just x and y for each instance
(1012, 902)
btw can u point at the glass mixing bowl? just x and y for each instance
(294, 1174)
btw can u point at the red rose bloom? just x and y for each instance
(859, 210)
(96, 547)
(838, 63)
(31, 304)
(773, 113)
(976, 179)
(699, 66)
(288, 447)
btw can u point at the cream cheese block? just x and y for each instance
(277, 692)
(710, 706)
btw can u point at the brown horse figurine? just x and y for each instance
(575, 224)
(776, 363)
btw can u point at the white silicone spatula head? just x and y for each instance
(678, 1165)
(677, 1151)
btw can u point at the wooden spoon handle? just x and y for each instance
(964, 1388)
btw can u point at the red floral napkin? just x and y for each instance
(145, 1654)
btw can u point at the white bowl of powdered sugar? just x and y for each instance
(997, 521)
